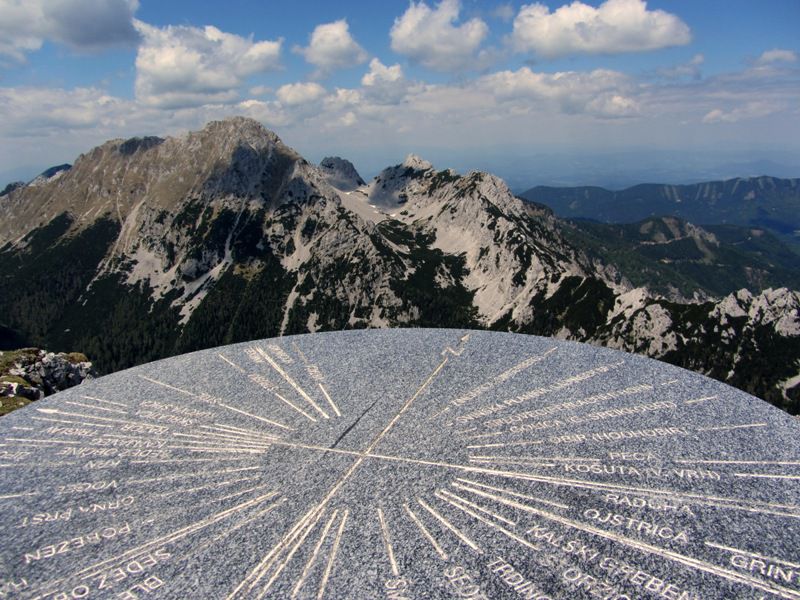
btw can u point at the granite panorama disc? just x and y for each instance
(401, 464)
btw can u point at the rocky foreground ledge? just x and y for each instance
(31, 374)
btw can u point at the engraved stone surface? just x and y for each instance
(401, 464)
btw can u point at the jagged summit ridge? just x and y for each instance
(227, 234)
(233, 157)
(341, 173)
(412, 161)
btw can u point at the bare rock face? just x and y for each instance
(162, 246)
(340, 173)
(31, 374)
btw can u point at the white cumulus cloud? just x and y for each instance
(615, 26)
(384, 84)
(750, 110)
(601, 93)
(80, 24)
(180, 66)
(777, 55)
(332, 47)
(293, 94)
(432, 37)
(379, 73)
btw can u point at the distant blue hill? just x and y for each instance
(765, 202)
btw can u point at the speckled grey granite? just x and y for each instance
(401, 464)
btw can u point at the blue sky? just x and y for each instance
(539, 92)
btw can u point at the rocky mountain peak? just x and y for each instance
(340, 173)
(240, 129)
(49, 175)
(412, 161)
(226, 234)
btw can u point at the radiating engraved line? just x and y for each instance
(670, 382)
(205, 487)
(449, 526)
(538, 458)
(231, 363)
(233, 438)
(178, 460)
(442, 554)
(696, 400)
(321, 387)
(24, 428)
(238, 429)
(106, 401)
(291, 382)
(231, 408)
(309, 528)
(240, 524)
(139, 423)
(728, 427)
(735, 503)
(37, 464)
(310, 564)
(388, 543)
(300, 353)
(240, 493)
(728, 503)
(557, 386)
(166, 385)
(501, 529)
(20, 495)
(40, 441)
(294, 406)
(329, 567)
(258, 572)
(330, 400)
(483, 435)
(463, 431)
(752, 554)
(509, 492)
(171, 537)
(225, 449)
(263, 567)
(738, 462)
(252, 416)
(460, 350)
(239, 444)
(113, 410)
(501, 378)
(440, 413)
(528, 463)
(766, 476)
(67, 422)
(691, 562)
(474, 506)
(54, 411)
(193, 445)
(226, 439)
(534, 443)
(183, 475)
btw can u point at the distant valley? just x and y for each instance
(150, 247)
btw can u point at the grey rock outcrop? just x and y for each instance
(340, 173)
(32, 374)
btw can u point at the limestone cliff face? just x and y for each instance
(150, 247)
